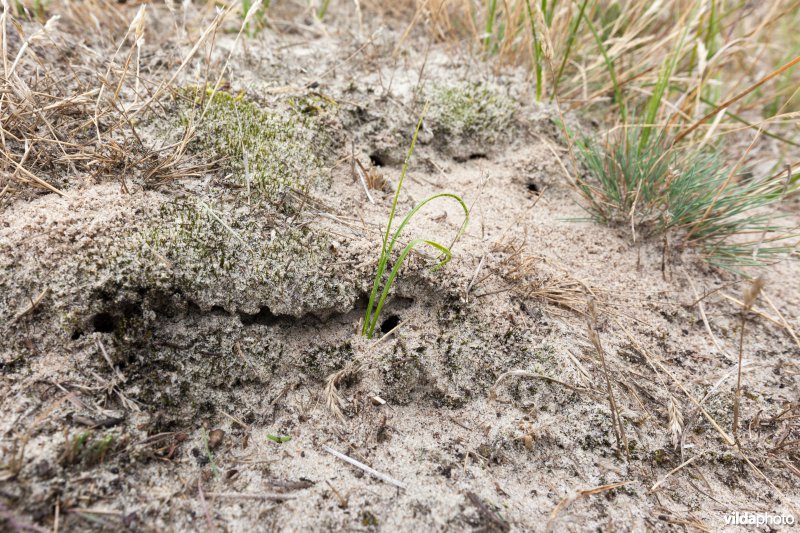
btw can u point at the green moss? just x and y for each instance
(242, 255)
(470, 110)
(269, 150)
(86, 450)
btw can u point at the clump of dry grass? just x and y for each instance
(685, 64)
(530, 278)
(333, 400)
(76, 103)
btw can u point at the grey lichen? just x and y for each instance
(267, 149)
(470, 110)
(244, 259)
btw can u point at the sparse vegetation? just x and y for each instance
(653, 187)
(376, 301)
(270, 151)
(191, 197)
(473, 110)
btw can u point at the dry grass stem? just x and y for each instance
(749, 298)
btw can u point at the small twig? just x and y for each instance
(357, 170)
(114, 369)
(702, 309)
(750, 295)
(365, 468)
(783, 319)
(526, 374)
(488, 514)
(34, 303)
(619, 430)
(204, 505)
(663, 479)
(251, 496)
(236, 420)
(474, 277)
(564, 503)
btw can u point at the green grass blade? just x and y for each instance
(373, 310)
(384, 257)
(537, 52)
(489, 28)
(393, 274)
(371, 316)
(654, 103)
(610, 67)
(573, 32)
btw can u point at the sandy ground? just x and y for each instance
(142, 391)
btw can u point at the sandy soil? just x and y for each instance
(144, 387)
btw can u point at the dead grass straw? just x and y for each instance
(749, 298)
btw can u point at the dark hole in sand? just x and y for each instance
(532, 186)
(264, 317)
(378, 159)
(390, 323)
(104, 323)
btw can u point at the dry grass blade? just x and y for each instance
(661, 481)
(784, 322)
(727, 103)
(66, 116)
(594, 337)
(566, 502)
(660, 366)
(525, 374)
(749, 299)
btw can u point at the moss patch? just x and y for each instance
(473, 110)
(244, 259)
(269, 150)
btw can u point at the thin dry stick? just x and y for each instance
(526, 374)
(251, 496)
(702, 309)
(211, 527)
(619, 430)
(34, 303)
(755, 310)
(369, 470)
(750, 295)
(738, 97)
(786, 500)
(671, 472)
(564, 503)
(783, 319)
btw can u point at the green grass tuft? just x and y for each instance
(376, 301)
(642, 181)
